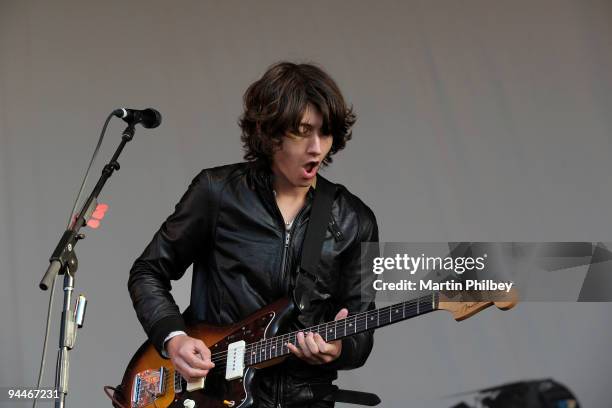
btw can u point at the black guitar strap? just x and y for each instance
(320, 217)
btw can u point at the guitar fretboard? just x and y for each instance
(274, 347)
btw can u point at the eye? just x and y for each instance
(305, 130)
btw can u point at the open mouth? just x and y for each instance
(310, 168)
(311, 165)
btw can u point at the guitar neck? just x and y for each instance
(274, 347)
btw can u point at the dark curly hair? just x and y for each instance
(274, 105)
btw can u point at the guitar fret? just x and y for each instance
(267, 349)
(287, 340)
(274, 344)
(281, 342)
(263, 350)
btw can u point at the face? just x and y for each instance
(297, 160)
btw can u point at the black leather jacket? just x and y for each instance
(228, 225)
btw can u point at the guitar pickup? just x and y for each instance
(235, 360)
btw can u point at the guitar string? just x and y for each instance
(358, 318)
(360, 323)
(259, 343)
(406, 306)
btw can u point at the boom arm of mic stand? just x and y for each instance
(60, 257)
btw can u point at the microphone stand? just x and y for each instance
(64, 261)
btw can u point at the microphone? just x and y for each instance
(148, 118)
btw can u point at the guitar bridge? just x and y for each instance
(148, 385)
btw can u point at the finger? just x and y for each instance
(342, 314)
(202, 349)
(195, 360)
(189, 372)
(303, 347)
(328, 351)
(312, 345)
(324, 348)
(295, 350)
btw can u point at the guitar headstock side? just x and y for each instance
(462, 310)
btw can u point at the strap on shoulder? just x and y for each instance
(320, 216)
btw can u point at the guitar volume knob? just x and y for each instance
(189, 403)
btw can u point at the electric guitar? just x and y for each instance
(237, 350)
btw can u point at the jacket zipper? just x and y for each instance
(287, 242)
(285, 250)
(288, 234)
(279, 390)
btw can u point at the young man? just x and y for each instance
(242, 226)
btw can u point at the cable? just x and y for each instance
(41, 370)
(93, 158)
(44, 352)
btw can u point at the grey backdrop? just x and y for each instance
(478, 120)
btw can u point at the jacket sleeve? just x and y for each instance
(173, 248)
(357, 291)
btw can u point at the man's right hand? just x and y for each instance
(191, 357)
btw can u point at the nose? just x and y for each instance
(314, 145)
